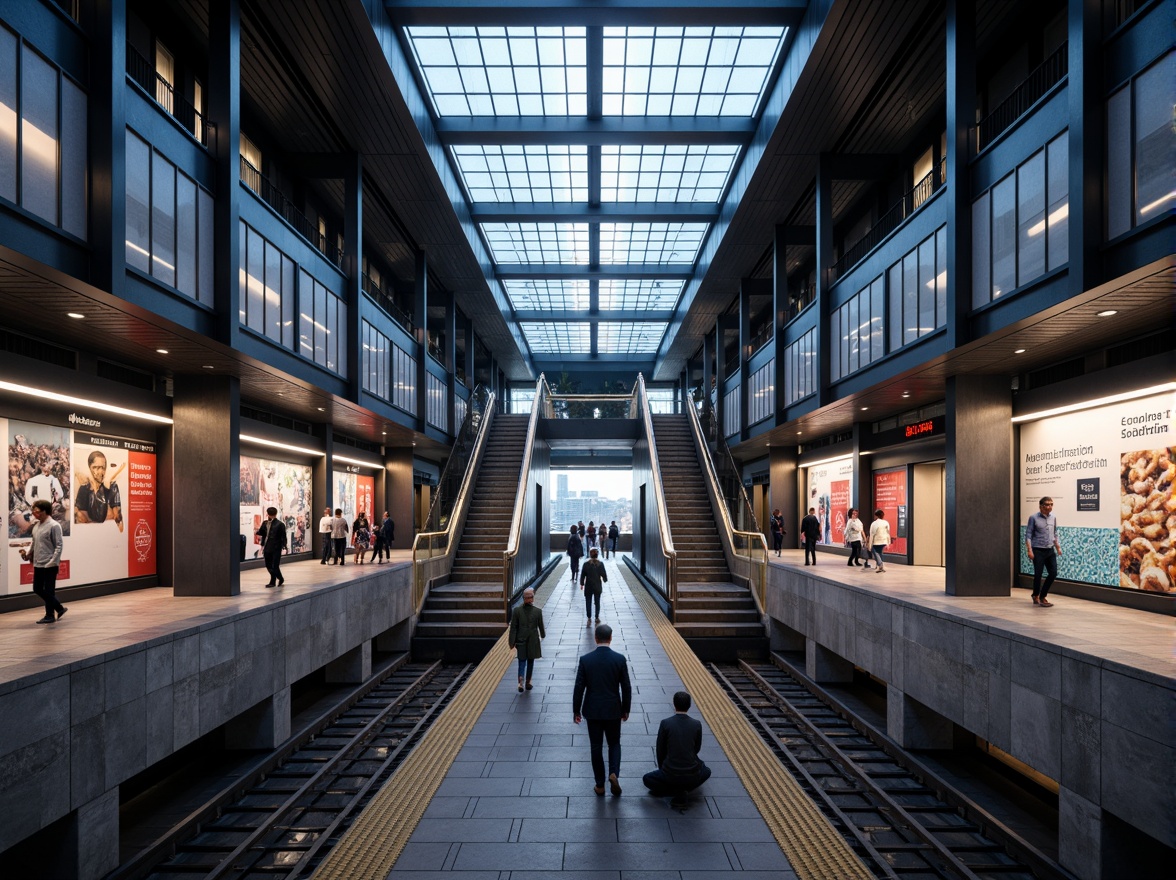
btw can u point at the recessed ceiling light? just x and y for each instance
(162, 351)
(384, 433)
(207, 367)
(1107, 313)
(322, 409)
(864, 408)
(1019, 351)
(77, 315)
(906, 394)
(798, 433)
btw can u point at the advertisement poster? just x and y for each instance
(890, 495)
(102, 488)
(345, 492)
(365, 495)
(830, 491)
(281, 484)
(1110, 472)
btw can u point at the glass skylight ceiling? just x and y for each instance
(650, 242)
(560, 243)
(691, 71)
(503, 71)
(525, 173)
(609, 204)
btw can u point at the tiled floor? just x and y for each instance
(94, 627)
(1130, 639)
(518, 801)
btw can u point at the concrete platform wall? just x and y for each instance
(71, 735)
(1101, 729)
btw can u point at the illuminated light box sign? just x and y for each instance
(890, 496)
(103, 491)
(1110, 472)
(830, 490)
(267, 483)
(921, 430)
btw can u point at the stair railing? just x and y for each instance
(453, 474)
(747, 551)
(669, 556)
(510, 556)
(432, 552)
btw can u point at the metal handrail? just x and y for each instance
(1048, 74)
(734, 540)
(663, 517)
(460, 455)
(440, 544)
(542, 391)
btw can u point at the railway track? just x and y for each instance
(286, 815)
(899, 824)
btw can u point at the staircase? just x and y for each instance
(716, 616)
(463, 618)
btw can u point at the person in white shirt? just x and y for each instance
(326, 528)
(854, 532)
(44, 485)
(879, 536)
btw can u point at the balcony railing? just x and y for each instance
(890, 221)
(798, 301)
(274, 197)
(1048, 74)
(385, 300)
(189, 117)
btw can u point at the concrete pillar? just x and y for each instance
(89, 848)
(352, 667)
(264, 726)
(206, 463)
(353, 266)
(913, 725)
(1079, 835)
(399, 493)
(784, 637)
(224, 112)
(420, 318)
(396, 638)
(782, 489)
(322, 487)
(825, 666)
(961, 128)
(979, 486)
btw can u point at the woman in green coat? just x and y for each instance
(526, 633)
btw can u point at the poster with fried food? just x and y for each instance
(1110, 471)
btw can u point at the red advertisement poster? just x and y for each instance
(26, 572)
(365, 494)
(139, 514)
(890, 494)
(839, 506)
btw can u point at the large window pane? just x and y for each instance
(1119, 189)
(981, 253)
(1004, 237)
(877, 304)
(1031, 219)
(7, 114)
(1057, 197)
(289, 298)
(73, 159)
(1155, 140)
(138, 202)
(39, 156)
(204, 247)
(273, 293)
(941, 277)
(256, 271)
(894, 288)
(910, 299)
(163, 219)
(185, 235)
(926, 286)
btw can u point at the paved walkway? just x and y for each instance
(1130, 639)
(518, 801)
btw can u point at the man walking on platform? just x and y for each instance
(326, 525)
(679, 739)
(273, 544)
(591, 578)
(603, 695)
(339, 530)
(810, 530)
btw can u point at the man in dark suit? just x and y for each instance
(603, 695)
(273, 542)
(679, 739)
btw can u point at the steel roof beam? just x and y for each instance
(467, 13)
(580, 212)
(549, 271)
(621, 315)
(611, 130)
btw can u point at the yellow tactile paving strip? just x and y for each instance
(375, 840)
(813, 846)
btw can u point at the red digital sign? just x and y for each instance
(927, 427)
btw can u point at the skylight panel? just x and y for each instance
(558, 337)
(677, 173)
(542, 173)
(629, 337)
(561, 243)
(695, 71)
(632, 294)
(513, 71)
(549, 294)
(645, 243)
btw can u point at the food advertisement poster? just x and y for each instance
(830, 491)
(890, 494)
(103, 490)
(266, 483)
(1110, 472)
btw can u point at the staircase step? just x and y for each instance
(720, 630)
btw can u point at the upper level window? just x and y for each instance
(250, 153)
(165, 77)
(1141, 148)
